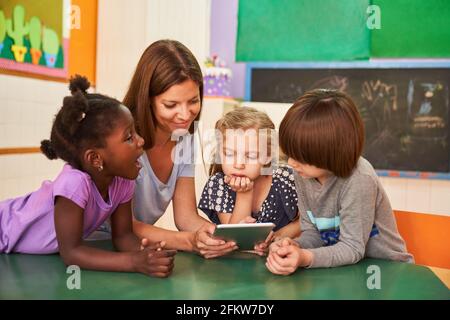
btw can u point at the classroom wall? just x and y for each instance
(28, 104)
(83, 41)
(141, 24)
(223, 33)
(120, 42)
(27, 109)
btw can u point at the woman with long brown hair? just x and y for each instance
(165, 97)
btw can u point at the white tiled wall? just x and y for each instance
(27, 108)
(418, 195)
(115, 61)
(21, 174)
(142, 23)
(185, 21)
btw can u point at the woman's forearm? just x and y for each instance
(185, 212)
(179, 240)
(191, 222)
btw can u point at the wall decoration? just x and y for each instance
(34, 36)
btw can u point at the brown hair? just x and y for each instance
(323, 128)
(241, 118)
(163, 64)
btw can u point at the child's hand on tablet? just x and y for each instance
(262, 247)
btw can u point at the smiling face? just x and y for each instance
(123, 148)
(177, 107)
(241, 155)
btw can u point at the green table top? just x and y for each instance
(240, 276)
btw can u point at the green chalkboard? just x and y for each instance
(412, 28)
(293, 30)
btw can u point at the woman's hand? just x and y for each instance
(208, 246)
(153, 260)
(239, 184)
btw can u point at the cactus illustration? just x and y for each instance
(35, 40)
(18, 32)
(50, 41)
(50, 46)
(35, 33)
(20, 27)
(2, 29)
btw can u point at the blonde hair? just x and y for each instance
(243, 118)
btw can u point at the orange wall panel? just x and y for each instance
(426, 237)
(83, 41)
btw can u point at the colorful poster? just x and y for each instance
(34, 36)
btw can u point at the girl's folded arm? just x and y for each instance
(69, 232)
(122, 229)
(242, 207)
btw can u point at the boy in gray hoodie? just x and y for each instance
(345, 214)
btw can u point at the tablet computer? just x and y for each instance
(246, 235)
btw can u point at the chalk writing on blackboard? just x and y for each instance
(405, 111)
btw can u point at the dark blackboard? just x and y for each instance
(405, 111)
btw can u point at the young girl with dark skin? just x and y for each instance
(95, 135)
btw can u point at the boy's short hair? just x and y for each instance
(323, 128)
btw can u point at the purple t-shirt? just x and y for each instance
(27, 223)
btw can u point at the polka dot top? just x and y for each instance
(280, 206)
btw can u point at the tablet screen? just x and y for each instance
(246, 235)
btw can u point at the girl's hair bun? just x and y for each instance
(79, 83)
(48, 150)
